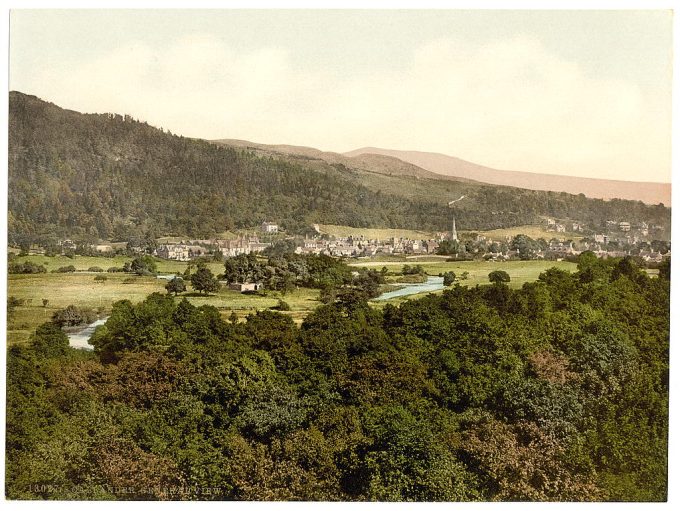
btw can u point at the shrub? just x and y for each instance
(95, 269)
(283, 306)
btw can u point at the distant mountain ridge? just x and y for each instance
(107, 176)
(378, 163)
(442, 164)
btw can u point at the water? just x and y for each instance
(432, 284)
(79, 339)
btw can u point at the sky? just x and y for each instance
(584, 93)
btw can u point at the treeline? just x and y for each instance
(91, 177)
(556, 391)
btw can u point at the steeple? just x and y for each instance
(454, 233)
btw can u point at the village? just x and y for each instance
(618, 239)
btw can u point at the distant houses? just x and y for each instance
(180, 252)
(269, 227)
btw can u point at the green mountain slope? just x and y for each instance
(109, 176)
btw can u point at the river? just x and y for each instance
(432, 284)
(79, 339)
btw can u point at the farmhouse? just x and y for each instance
(245, 286)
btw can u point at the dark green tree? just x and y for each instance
(204, 281)
(176, 285)
(499, 277)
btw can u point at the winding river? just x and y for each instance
(80, 339)
(432, 284)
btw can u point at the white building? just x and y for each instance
(269, 227)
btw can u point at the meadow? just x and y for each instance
(80, 288)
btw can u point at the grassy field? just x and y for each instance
(533, 231)
(519, 271)
(81, 290)
(82, 263)
(380, 234)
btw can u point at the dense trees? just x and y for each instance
(555, 391)
(107, 176)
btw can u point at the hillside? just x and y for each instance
(108, 176)
(374, 163)
(647, 192)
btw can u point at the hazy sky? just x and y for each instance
(583, 93)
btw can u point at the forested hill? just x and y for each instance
(109, 176)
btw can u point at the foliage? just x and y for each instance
(176, 285)
(72, 316)
(204, 281)
(25, 267)
(143, 265)
(557, 391)
(449, 278)
(499, 277)
(109, 176)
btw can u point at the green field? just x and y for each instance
(533, 231)
(82, 263)
(80, 289)
(519, 271)
(379, 234)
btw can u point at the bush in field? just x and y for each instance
(25, 267)
(70, 316)
(283, 306)
(115, 269)
(65, 269)
(100, 278)
(96, 269)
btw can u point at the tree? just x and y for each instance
(49, 340)
(204, 281)
(449, 278)
(243, 268)
(499, 277)
(143, 265)
(70, 316)
(176, 285)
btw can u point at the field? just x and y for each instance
(380, 234)
(80, 289)
(519, 271)
(82, 263)
(533, 231)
